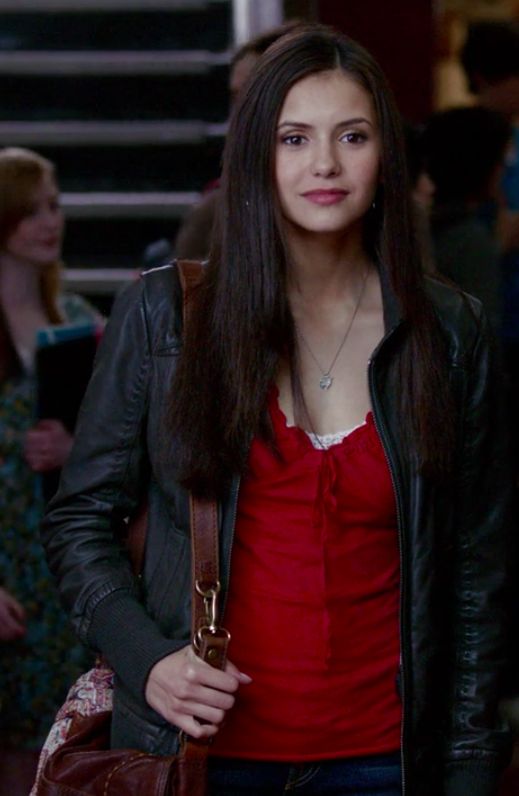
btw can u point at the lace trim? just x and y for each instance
(325, 441)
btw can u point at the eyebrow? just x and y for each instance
(345, 123)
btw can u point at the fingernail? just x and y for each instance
(244, 678)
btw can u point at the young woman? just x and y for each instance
(38, 652)
(343, 410)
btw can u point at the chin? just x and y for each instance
(326, 229)
(49, 259)
(314, 225)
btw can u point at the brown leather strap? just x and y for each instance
(204, 520)
(190, 273)
(204, 548)
(192, 770)
(210, 641)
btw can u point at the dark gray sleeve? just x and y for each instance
(101, 485)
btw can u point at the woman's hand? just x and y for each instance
(47, 445)
(12, 617)
(185, 690)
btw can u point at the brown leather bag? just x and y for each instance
(84, 765)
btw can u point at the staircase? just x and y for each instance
(129, 99)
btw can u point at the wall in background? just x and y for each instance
(452, 18)
(400, 34)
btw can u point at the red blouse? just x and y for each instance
(314, 600)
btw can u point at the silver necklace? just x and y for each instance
(326, 380)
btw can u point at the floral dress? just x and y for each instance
(37, 670)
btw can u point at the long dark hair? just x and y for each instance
(242, 323)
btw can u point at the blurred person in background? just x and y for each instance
(422, 185)
(466, 149)
(39, 655)
(422, 189)
(490, 58)
(193, 239)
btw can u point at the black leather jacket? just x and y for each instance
(452, 538)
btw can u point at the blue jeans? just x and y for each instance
(379, 775)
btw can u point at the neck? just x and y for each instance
(324, 266)
(19, 283)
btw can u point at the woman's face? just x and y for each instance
(38, 236)
(327, 154)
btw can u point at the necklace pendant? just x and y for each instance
(326, 381)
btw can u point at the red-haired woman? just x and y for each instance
(38, 652)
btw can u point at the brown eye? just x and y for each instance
(293, 140)
(354, 137)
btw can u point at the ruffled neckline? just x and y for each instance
(300, 438)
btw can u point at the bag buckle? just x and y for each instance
(209, 623)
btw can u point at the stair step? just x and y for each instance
(113, 242)
(143, 167)
(51, 6)
(102, 281)
(117, 204)
(146, 168)
(122, 62)
(147, 97)
(129, 99)
(206, 26)
(137, 133)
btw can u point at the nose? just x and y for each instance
(326, 162)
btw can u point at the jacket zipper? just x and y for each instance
(385, 446)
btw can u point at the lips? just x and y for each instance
(329, 196)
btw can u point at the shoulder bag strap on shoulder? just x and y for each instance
(190, 273)
(209, 639)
